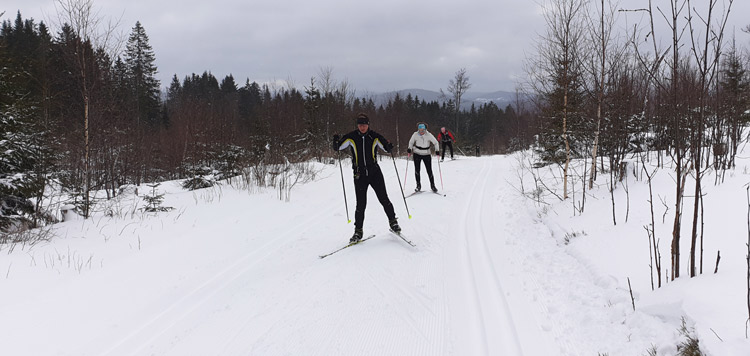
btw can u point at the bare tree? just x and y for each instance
(671, 112)
(556, 73)
(336, 95)
(671, 122)
(651, 228)
(706, 54)
(458, 87)
(91, 34)
(605, 57)
(327, 86)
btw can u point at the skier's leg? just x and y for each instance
(450, 144)
(442, 151)
(378, 185)
(417, 165)
(428, 168)
(360, 189)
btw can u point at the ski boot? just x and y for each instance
(419, 188)
(357, 236)
(434, 188)
(394, 225)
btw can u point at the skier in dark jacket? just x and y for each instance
(446, 139)
(363, 144)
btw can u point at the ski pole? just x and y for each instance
(406, 174)
(441, 175)
(341, 169)
(399, 183)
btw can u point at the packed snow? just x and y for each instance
(499, 268)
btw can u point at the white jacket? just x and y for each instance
(420, 144)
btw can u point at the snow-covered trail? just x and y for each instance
(241, 276)
(232, 272)
(489, 325)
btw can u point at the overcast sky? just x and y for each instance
(375, 46)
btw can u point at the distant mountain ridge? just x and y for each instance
(500, 98)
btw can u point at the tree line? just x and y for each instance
(81, 116)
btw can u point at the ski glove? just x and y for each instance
(437, 153)
(408, 150)
(335, 142)
(388, 147)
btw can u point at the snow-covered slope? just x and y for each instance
(232, 272)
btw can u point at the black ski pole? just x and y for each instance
(406, 174)
(344, 187)
(400, 186)
(441, 175)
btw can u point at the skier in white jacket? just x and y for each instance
(419, 144)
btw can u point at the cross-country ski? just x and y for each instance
(402, 237)
(347, 246)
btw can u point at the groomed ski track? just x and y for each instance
(456, 293)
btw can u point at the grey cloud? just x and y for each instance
(375, 45)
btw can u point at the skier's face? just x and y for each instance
(363, 127)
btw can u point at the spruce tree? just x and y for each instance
(734, 106)
(22, 147)
(139, 59)
(313, 136)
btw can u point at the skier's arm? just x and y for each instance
(340, 143)
(412, 141)
(383, 143)
(434, 142)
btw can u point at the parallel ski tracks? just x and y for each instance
(163, 322)
(492, 312)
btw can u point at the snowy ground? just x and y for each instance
(232, 272)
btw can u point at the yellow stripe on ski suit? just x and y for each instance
(350, 142)
(375, 144)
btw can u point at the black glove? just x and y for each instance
(335, 142)
(388, 147)
(408, 150)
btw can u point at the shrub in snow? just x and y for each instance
(154, 201)
(229, 161)
(203, 177)
(690, 346)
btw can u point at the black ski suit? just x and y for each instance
(367, 172)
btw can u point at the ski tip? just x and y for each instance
(409, 216)
(348, 221)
